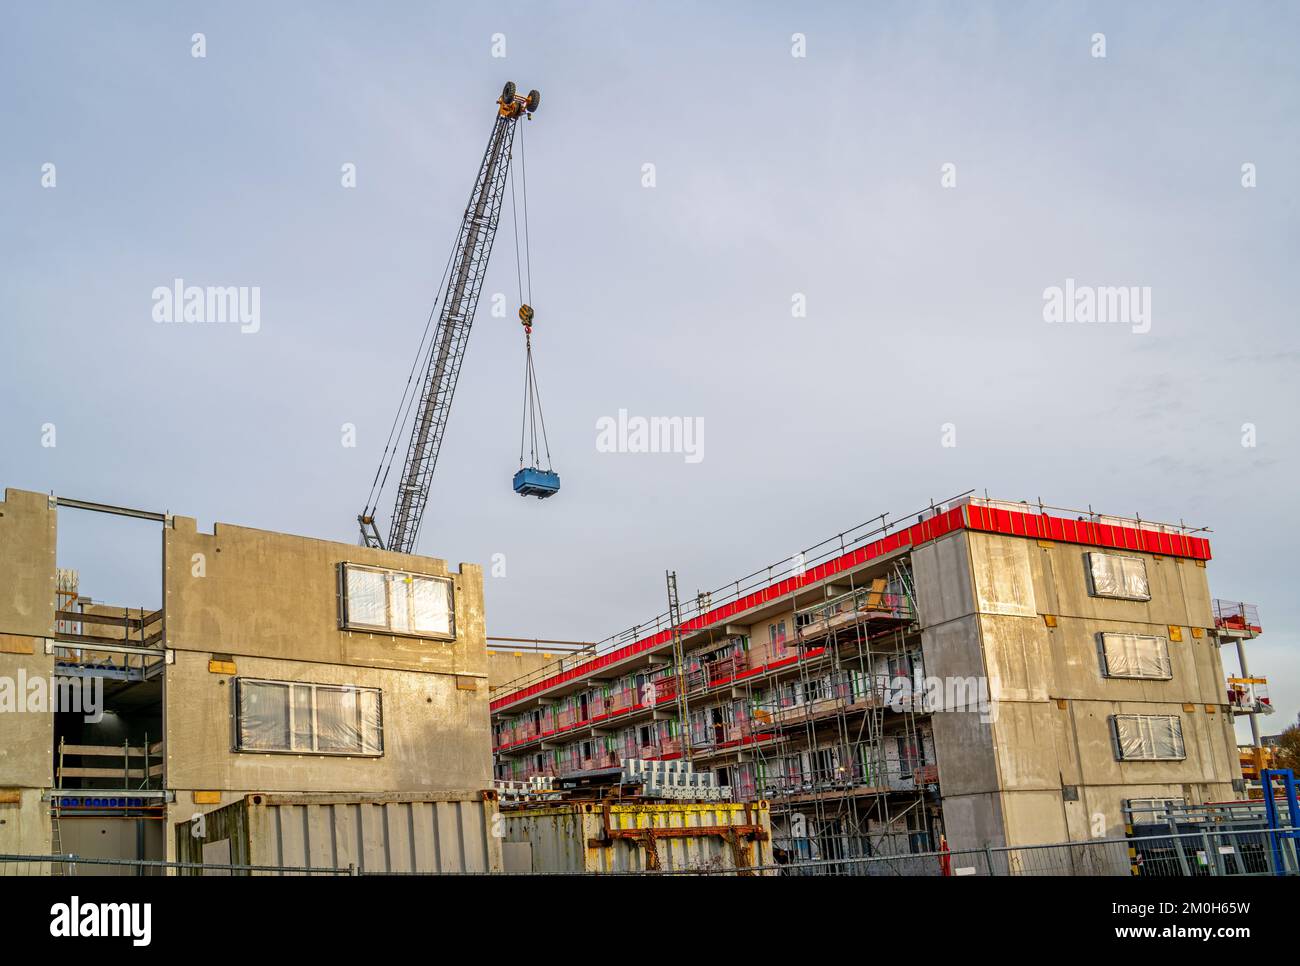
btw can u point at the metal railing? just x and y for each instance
(1236, 615)
(78, 865)
(1187, 854)
(1256, 852)
(795, 565)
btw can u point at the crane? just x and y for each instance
(455, 310)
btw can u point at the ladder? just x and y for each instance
(679, 659)
(56, 830)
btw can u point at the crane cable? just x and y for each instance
(532, 414)
(407, 402)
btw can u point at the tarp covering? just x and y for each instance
(1114, 575)
(307, 718)
(399, 602)
(431, 606)
(367, 597)
(1136, 656)
(263, 716)
(1149, 737)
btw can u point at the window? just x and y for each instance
(1114, 575)
(776, 635)
(911, 754)
(397, 602)
(1136, 656)
(1149, 737)
(320, 719)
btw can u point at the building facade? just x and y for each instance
(276, 663)
(990, 674)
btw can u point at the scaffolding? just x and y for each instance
(828, 724)
(827, 720)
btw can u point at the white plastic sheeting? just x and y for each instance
(1149, 737)
(1136, 656)
(431, 610)
(367, 597)
(398, 602)
(308, 718)
(1114, 575)
(264, 716)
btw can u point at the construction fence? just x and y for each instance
(1258, 852)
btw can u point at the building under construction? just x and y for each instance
(980, 673)
(275, 664)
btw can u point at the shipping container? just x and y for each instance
(634, 837)
(440, 832)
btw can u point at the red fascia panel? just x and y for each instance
(969, 516)
(1087, 533)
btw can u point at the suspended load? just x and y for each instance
(533, 480)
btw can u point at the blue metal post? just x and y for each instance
(1287, 777)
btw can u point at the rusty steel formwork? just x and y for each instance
(611, 837)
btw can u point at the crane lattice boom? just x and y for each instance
(459, 302)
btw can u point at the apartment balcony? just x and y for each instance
(802, 787)
(815, 710)
(925, 775)
(865, 605)
(847, 697)
(604, 759)
(716, 672)
(667, 748)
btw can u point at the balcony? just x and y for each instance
(872, 603)
(668, 748)
(601, 759)
(716, 671)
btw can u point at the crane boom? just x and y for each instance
(447, 349)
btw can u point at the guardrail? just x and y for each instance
(1189, 854)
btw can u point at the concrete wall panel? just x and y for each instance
(436, 734)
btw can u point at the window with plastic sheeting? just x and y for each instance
(1149, 737)
(1118, 576)
(396, 602)
(264, 716)
(321, 719)
(1136, 656)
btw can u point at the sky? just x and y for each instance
(836, 265)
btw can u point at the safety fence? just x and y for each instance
(1210, 852)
